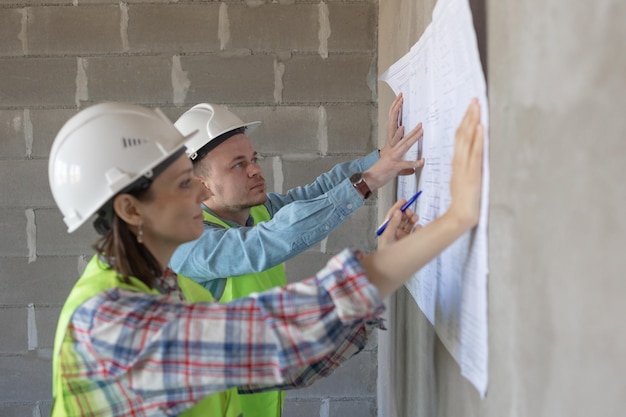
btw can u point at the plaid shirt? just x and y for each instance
(140, 354)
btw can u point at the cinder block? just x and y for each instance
(25, 184)
(353, 26)
(361, 407)
(358, 231)
(355, 378)
(21, 410)
(338, 78)
(46, 124)
(13, 231)
(273, 27)
(129, 1)
(13, 322)
(350, 128)
(37, 81)
(284, 129)
(300, 172)
(74, 30)
(173, 27)
(297, 407)
(229, 79)
(135, 79)
(10, 30)
(53, 239)
(44, 407)
(46, 318)
(172, 113)
(25, 378)
(47, 280)
(12, 144)
(305, 265)
(55, 2)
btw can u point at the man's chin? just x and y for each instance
(260, 200)
(254, 198)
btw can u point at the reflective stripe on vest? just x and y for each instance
(264, 404)
(97, 279)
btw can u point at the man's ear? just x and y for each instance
(125, 206)
(206, 184)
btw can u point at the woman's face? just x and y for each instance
(173, 215)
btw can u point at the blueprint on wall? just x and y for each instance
(438, 78)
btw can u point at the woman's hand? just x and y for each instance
(466, 181)
(400, 224)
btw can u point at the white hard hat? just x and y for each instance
(210, 121)
(104, 149)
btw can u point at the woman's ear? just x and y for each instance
(125, 206)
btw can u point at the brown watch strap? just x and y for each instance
(361, 186)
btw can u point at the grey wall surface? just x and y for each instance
(307, 69)
(557, 92)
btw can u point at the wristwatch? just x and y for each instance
(361, 186)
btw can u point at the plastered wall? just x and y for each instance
(307, 69)
(557, 91)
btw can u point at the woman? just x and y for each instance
(135, 339)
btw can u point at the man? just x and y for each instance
(248, 232)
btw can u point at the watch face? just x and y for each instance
(356, 178)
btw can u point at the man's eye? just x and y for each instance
(186, 184)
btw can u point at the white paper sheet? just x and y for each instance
(438, 78)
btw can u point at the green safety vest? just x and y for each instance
(95, 280)
(264, 404)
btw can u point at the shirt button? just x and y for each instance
(327, 227)
(349, 206)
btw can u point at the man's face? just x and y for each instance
(234, 179)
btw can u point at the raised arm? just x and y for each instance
(376, 171)
(292, 230)
(392, 265)
(322, 184)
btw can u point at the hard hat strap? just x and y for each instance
(212, 144)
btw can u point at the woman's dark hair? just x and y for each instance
(119, 247)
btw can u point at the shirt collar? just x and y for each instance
(167, 283)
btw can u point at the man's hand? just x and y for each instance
(394, 121)
(392, 163)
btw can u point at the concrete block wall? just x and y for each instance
(307, 69)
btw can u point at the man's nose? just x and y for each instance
(254, 169)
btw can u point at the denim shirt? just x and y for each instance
(301, 218)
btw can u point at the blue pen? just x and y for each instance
(405, 206)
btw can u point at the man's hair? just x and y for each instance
(201, 167)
